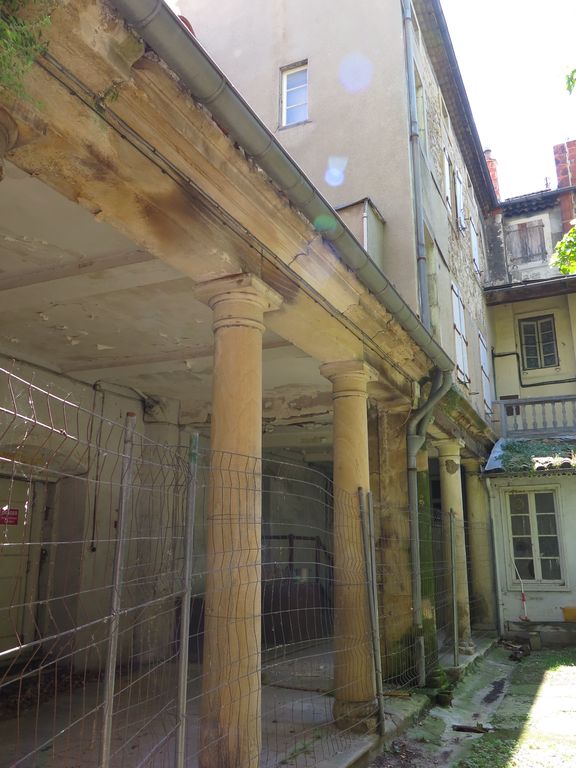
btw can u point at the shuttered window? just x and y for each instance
(485, 369)
(534, 534)
(447, 180)
(538, 341)
(460, 339)
(475, 247)
(460, 200)
(525, 242)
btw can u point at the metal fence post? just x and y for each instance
(454, 586)
(119, 555)
(370, 566)
(186, 597)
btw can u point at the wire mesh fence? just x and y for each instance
(166, 605)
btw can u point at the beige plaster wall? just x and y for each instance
(368, 128)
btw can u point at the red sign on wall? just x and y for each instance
(8, 516)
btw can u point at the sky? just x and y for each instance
(514, 56)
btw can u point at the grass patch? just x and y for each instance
(490, 751)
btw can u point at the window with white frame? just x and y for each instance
(460, 338)
(461, 218)
(294, 106)
(538, 343)
(534, 536)
(475, 246)
(485, 371)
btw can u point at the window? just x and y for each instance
(475, 247)
(295, 95)
(485, 370)
(538, 342)
(459, 201)
(421, 112)
(525, 242)
(447, 180)
(534, 534)
(460, 335)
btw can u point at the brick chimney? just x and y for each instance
(493, 168)
(565, 159)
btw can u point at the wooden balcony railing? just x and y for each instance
(544, 416)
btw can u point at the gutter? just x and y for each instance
(170, 39)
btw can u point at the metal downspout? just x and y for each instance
(495, 566)
(421, 259)
(170, 39)
(415, 437)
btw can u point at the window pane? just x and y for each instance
(544, 503)
(521, 525)
(525, 569)
(551, 569)
(296, 114)
(547, 525)
(294, 79)
(297, 96)
(522, 546)
(548, 546)
(519, 504)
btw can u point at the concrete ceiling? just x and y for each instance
(78, 297)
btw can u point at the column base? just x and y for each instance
(356, 716)
(467, 647)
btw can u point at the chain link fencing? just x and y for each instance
(164, 605)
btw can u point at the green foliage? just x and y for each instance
(571, 81)
(20, 41)
(520, 455)
(564, 256)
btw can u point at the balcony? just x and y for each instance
(542, 416)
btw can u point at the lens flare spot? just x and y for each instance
(325, 223)
(334, 175)
(356, 72)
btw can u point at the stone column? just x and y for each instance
(396, 611)
(482, 588)
(231, 693)
(354, 684)
(451, 495)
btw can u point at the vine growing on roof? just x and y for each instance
(22, 24)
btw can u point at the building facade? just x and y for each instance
(530, 471)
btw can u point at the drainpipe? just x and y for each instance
(181, 51)
(495, 564)
(415, 437)
(365, 226)
(421, 261)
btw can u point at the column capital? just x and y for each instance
(472, 464)
(349, 377)
(238, 300)
(449, 447)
